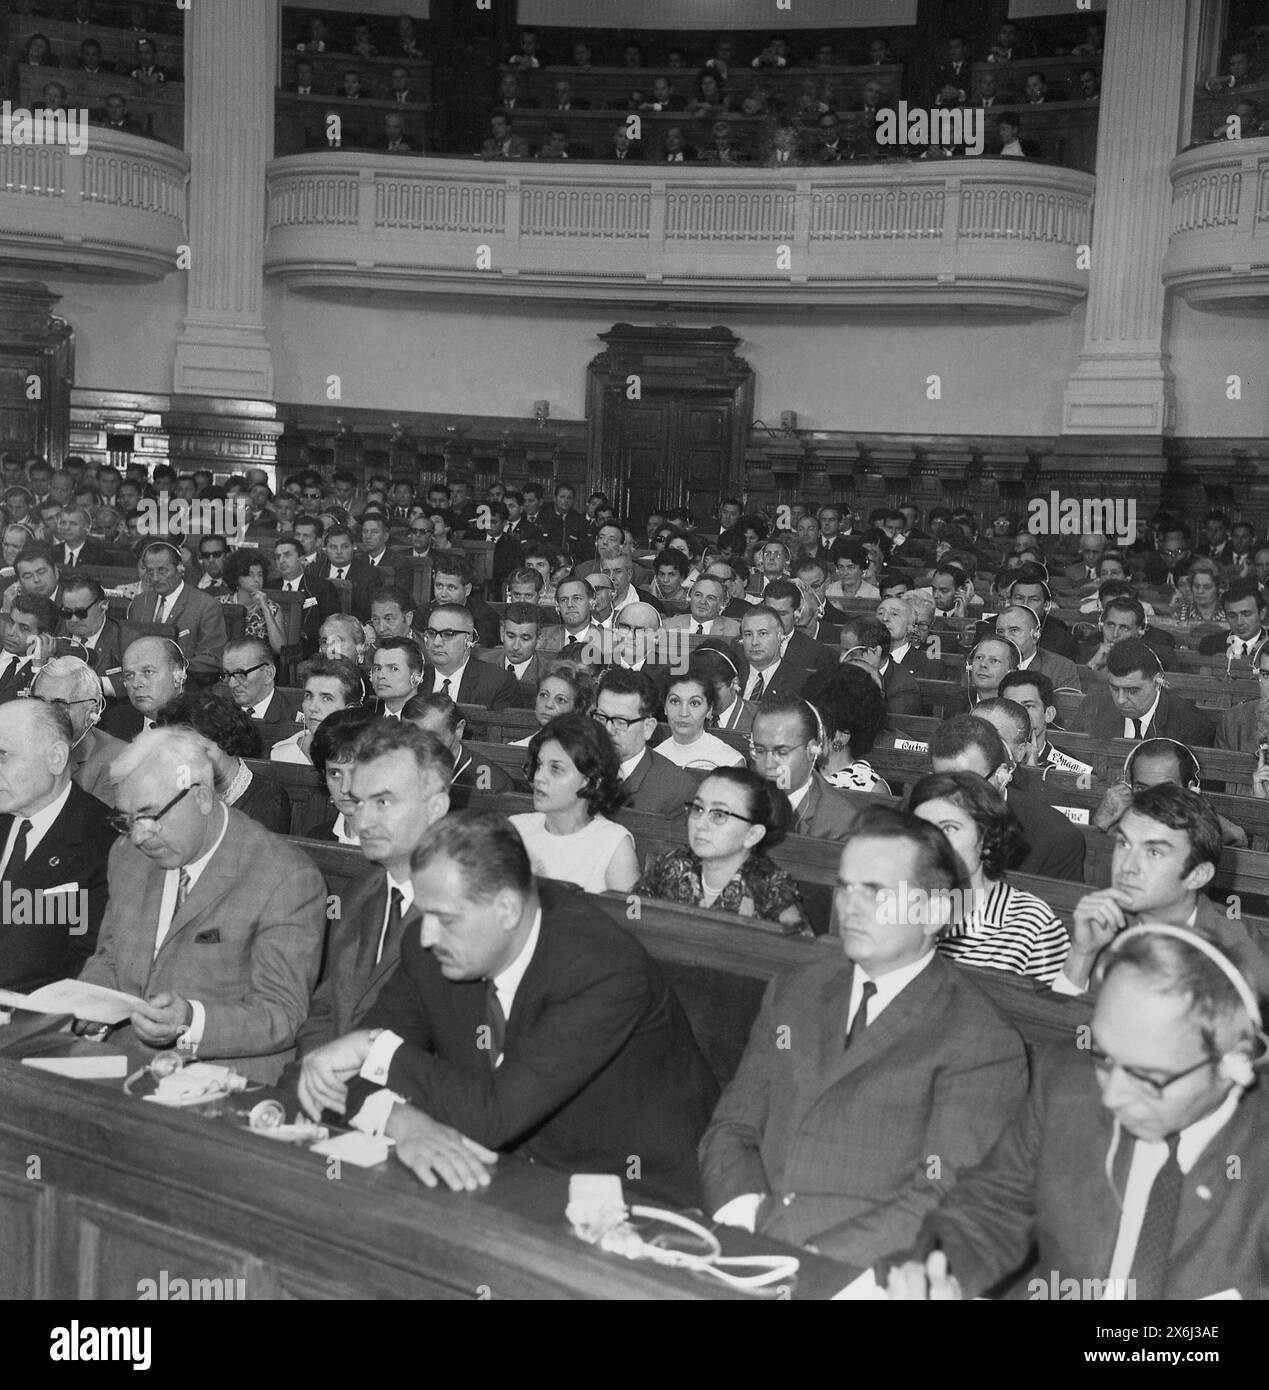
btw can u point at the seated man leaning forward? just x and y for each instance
(520, 1020)
(215, 922)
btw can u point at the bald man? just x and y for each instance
(54, 843)
(214, 922)
(153, 674)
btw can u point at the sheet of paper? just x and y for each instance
(361, 1150)
(865, 1289)
(84, 1068)
(92, 1003)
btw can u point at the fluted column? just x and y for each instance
(1123, 384)
(230, 72)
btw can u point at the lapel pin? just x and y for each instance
(54, 862)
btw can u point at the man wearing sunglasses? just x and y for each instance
(215, 922)
(54, 843)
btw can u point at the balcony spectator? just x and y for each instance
(624, 149)
(509, 95)
(147, 70)
(395, 141)
(119, 118)
(663, 97)
(829, 147)
(1037, 89)
(878, 53)
(954, 71)
(89, 59)
(565, 100)
(1238, 75)
(304, 86)
(676, 150)
(407, 38)
(1091, 44)
(711, 99)
(1088, 86)
(317, 40)
(557, 145)
(363, 43)
(528, 56)
(581, 57)
(38, 53)
(400, 91)
(723, 148)
(988, 91)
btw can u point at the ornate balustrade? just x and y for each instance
(117, 210)
(1219, 250)
(995, 233)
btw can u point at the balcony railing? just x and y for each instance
(994, 233)
(1219, 251)
(116, 211)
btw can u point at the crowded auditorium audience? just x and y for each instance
(681, 728)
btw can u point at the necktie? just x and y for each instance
(1154, 1243)
(339, 574)
(860, 1021)
(497, 1023)
(1136, 728)
(19, 844)
(700, 629)
(182, 889)
(511, 666)
(445, 686)
(390, 937)
(160, 613)
(758, 686)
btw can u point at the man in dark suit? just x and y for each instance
(1244, 603)
(977, 743)
(866, 641)
(54, 839)
(439, 715)
(153, 674)
(400, 783)
(520, 1021)
(786, 742)
(1136, 704)
(319, 596)
(896, 1055)
(762, 636)
(344, 566)
(1030, 588)
(785, 599)
(453, 580)
(517, 655)
(1123, 619)
(250, 677)
(28, 644)
(900, 618)
(1118, 1166)
(77, 547)
(626, 706)
(198, 622)
(452, 668)
(214, 922)
(563, 526)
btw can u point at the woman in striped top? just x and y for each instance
(999, 926)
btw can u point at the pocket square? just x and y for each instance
(62, 888)
(210, 937)
(310, 603)
(184, 632)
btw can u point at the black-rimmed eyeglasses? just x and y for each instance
(125, 824)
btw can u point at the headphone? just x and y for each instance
(1234, 1066)
(171, 549)
(815, 746)
(1190, 770)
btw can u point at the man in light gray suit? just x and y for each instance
(197, 621)
(868, 1084)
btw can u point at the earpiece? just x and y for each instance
(1236, 1067)
(1191, 773)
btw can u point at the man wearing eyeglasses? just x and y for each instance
(250, 675)
(784, 747)
(1128, 1165)
(76, 688)
(54, 843)
(896, 1056)
(626, 707)
(215, 922)
(449, 647)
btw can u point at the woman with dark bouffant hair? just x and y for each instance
(999, 926)
(244, 574)
(576, 783)
(234, 737)
(735, 817)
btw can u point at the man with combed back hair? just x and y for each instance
(858, 1070)
(75, 687)
(54, 841)
(400, 787)
(216, 923)
(520, 1020)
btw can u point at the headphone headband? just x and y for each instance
(1218, 958)
(1184, 754)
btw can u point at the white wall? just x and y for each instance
(125, 335)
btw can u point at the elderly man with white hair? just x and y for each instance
(903, 619)
(73, 685)
(214, 922)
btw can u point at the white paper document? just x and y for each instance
(110, 1068)
(92, 1003)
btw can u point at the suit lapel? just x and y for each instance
(639, 776)
(213, 883)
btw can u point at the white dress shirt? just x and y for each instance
(38, 825)
(1145, 721)
(163, 613)
(455, 680)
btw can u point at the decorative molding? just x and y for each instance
(1218, 256)
(114, 212)
(985, 233)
